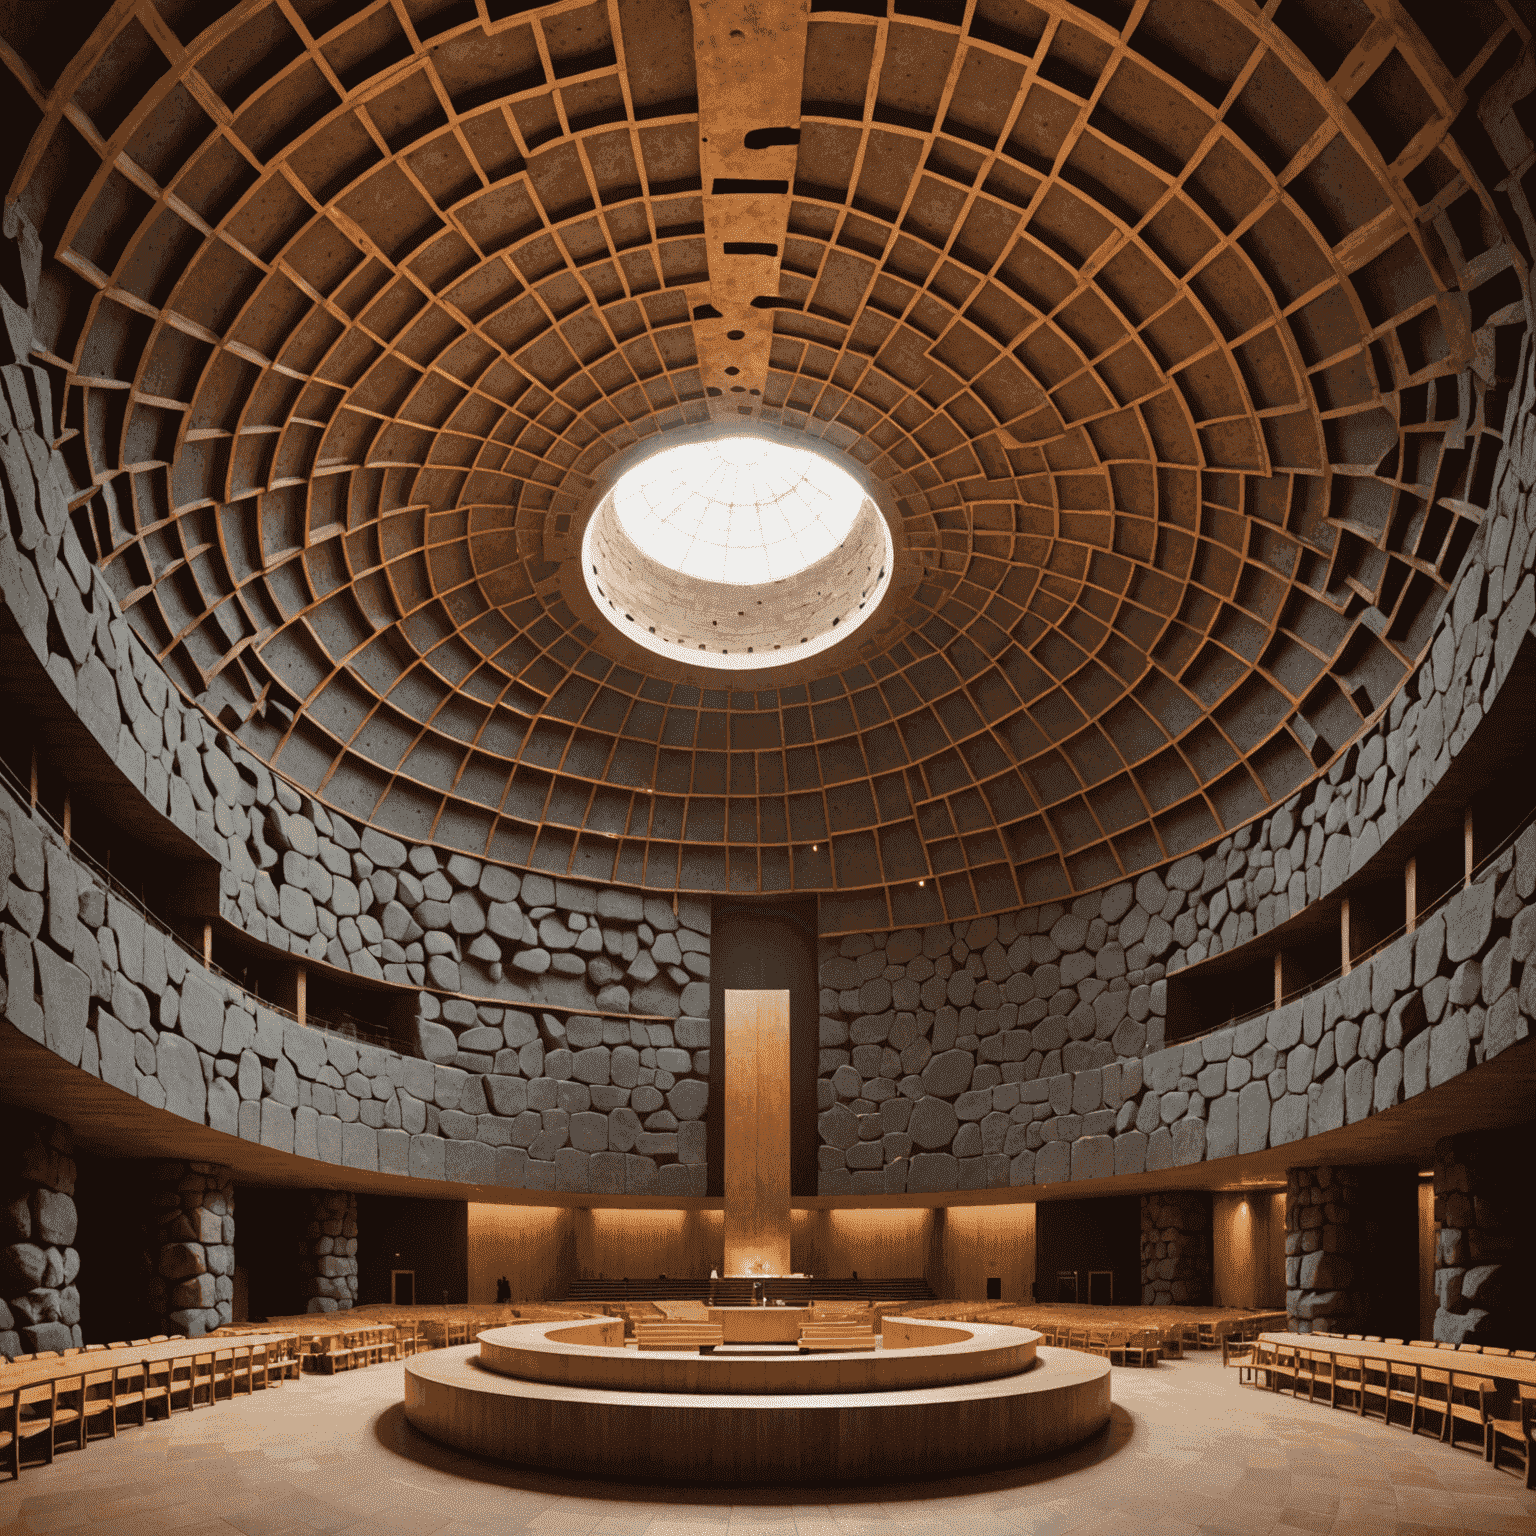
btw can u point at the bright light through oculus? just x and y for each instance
(737, 509)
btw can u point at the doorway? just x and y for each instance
(402, 1287)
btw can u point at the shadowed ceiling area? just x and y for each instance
(1173, 335)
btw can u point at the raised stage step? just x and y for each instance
(737, 1292)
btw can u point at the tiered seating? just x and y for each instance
(678, 1335)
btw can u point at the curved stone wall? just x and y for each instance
(1013, 1051)
(561, 1039)
(1026, 1048)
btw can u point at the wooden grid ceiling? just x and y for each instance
(1177, 332)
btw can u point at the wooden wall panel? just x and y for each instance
(1248, 1242)
(757, 1076)
(534, 1246)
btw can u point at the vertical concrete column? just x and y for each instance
(1176, 1249)
(39, 1305)
(190, 1247)
(329, 1258)
(1484, 1269)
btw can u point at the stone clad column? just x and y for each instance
(39, 1305)
(190, 1246)
(1484, 1253)
(329, 1256)
(1176, 1249)
(1351, 1250)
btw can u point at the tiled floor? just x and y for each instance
(1187, 1450)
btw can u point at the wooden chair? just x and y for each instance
(1236, 1351)
(10, 1430)
(45, 1409)
(1470, 1398)
(1505, 1436)
(1403, 1389)
(1143, 1348)
(1348, 1380)
(1373, 1389)
(1434, 1401)
(1260, 1358)
(98, 1401)
(1320, 1377)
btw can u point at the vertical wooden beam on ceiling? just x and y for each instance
(300, 995)
(1411, 893)
(1468, 851)
(757, 1226)
(1345, 959)
(750, 62)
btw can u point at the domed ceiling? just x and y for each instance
(1170, 336)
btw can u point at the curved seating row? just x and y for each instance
(1480, 1395)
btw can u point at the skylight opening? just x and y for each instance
(740, 510)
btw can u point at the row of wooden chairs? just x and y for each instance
(1132, 1346)
(1456, 1403)
(351, 1348)
(82, 1404)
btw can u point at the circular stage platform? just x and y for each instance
(551, 1396)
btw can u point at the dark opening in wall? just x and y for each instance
(1441, 867)
(1376, 912)
(270, 1224)
(1079, 1238)
(1498, 813)
(429, 1237)
(1196, 1007)
(333, 1000)
(109, 1201)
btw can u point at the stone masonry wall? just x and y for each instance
(580, 1103)
(189, 1246)
(1028, 1047)
(39, 1304)
(328, 1252)
(1350, 1252)
(1485, 1258)
(294, 875)
(1176, 1248)
(1011, 1050)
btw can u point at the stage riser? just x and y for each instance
(666, 1437)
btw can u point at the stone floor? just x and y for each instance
(1187, 1450)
